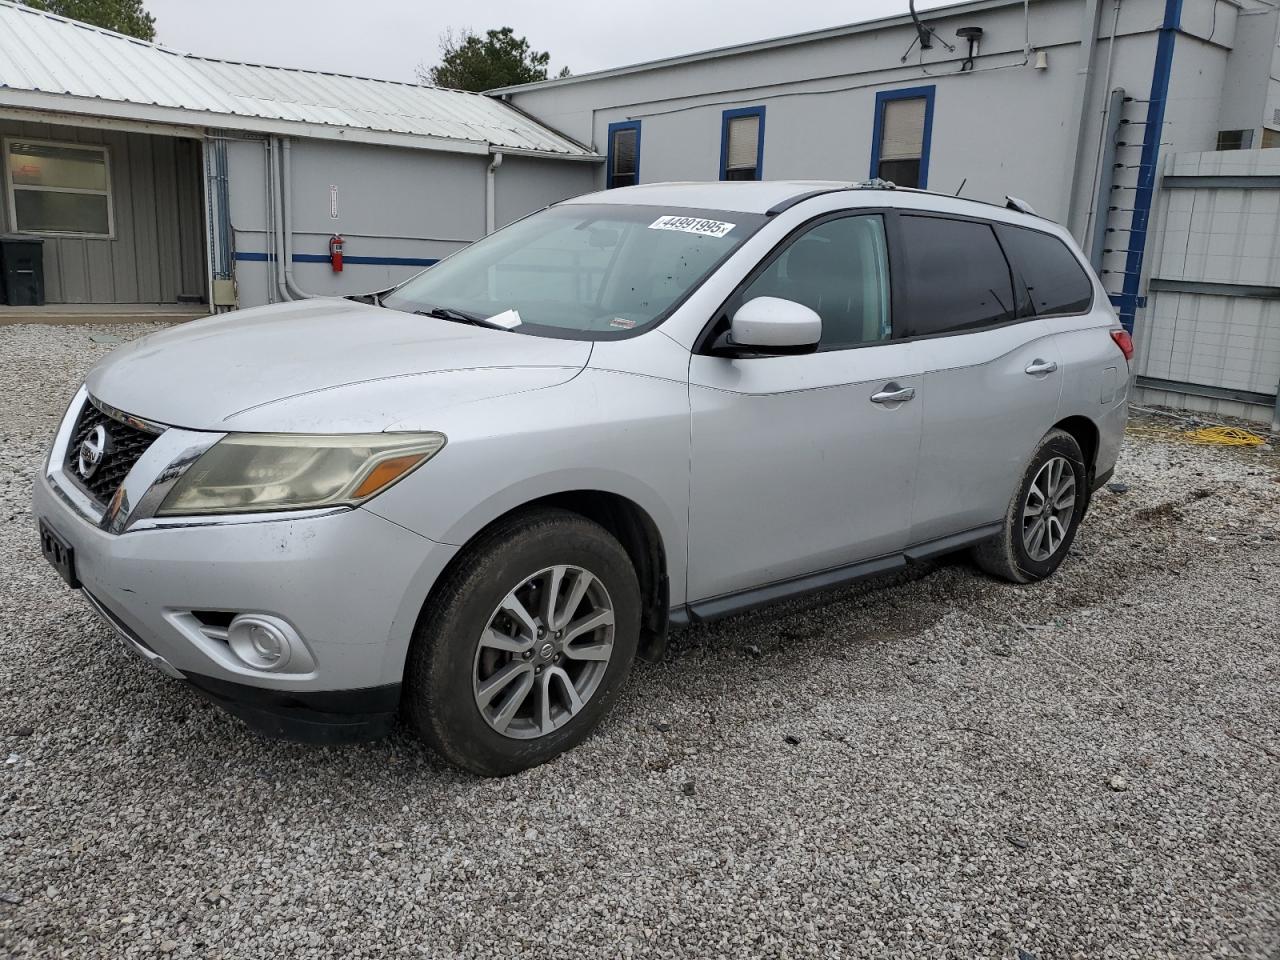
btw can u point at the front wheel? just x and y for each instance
(527, 644)
(1043, 516)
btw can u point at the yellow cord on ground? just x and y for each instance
(1225, 437)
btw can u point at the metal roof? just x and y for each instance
(51, 63)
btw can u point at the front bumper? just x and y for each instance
(348, 582)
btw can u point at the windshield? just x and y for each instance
(594, 271)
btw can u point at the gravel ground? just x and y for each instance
(943, 766)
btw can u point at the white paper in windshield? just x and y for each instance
(706, 228)
(507, 318)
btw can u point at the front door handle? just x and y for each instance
(892, 393)
(1038, 366)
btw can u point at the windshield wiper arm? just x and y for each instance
(460, 316)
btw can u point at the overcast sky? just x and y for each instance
(389, 38)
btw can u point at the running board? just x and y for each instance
(704, 611)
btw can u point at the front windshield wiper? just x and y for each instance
(460, 316)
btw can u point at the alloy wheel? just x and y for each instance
(1048, 510)
(544, 652)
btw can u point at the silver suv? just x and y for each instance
(474, 499)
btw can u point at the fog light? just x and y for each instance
(260, 642)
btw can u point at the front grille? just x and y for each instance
(125, 444)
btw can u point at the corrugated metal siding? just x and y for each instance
(1222, 235)
(158, 252)
(40, 52)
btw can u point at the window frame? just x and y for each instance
(11, 188)
(712, 329)
(1019, 287)
(726, 118)
(925, 93)
(614, 128)
(1022, 290)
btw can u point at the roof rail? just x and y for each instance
(787, 204)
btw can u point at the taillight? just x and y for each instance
(1124, 342)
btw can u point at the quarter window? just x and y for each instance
(957, 278)
(624, 154)
(840, 269)
(1054, 279)
(742, 144)
(58, 188)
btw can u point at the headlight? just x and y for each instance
(246, 472)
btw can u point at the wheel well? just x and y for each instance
(1086, 434)
(638, 534)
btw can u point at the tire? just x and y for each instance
(458, 696)
(1025, 559)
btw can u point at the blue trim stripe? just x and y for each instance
(730, 115)
(1129, 300)
(323, 258)
(614, 128)
(877, 126)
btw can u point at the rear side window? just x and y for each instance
(1053, 276)
(957, 276)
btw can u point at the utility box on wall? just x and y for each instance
(21, 270)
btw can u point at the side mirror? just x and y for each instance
(771, 325)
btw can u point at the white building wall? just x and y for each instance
(397, 209)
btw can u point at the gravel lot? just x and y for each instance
(944, 766)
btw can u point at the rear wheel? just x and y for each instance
(526, 646)
(1043, 516)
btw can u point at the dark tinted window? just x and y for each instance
(1053, 276)
(839, 269)
(624, 156)
(958, 277)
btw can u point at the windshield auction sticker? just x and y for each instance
(707, 228)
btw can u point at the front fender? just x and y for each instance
(605, 431)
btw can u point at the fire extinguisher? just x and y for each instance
(335, 252)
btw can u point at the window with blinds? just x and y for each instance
(624, 154)
(62, 189)
(903, 137)
(741, 148)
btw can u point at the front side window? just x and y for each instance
(58, 188)
(901, 134)
(957, 276)
(624, 154)
(839, 269)
(742, 144)
(594, 271)
(1054, 279)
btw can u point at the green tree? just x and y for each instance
(122, 16)
(498, 59)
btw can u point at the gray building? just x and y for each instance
(1082, 108)
(155, 177)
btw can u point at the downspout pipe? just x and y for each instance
(281, 186)
(277, 217)
(1084, 97)
(286, 201)
(490, 192)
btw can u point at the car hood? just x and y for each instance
(323, 365)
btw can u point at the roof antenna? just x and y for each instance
(961, 187)
(923, 33)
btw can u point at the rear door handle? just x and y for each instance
(892, 393)
(1037, 367)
